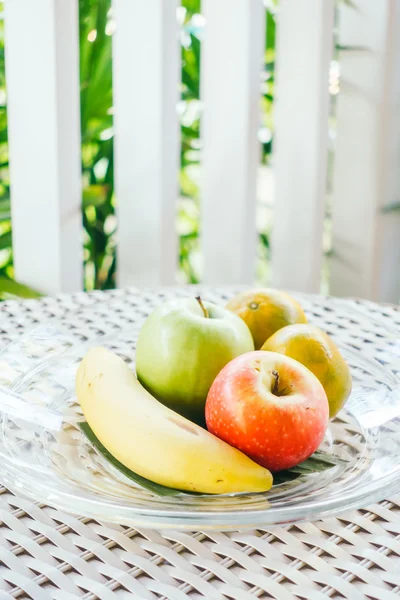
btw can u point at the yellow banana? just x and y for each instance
(154, 441)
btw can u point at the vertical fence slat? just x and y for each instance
(304, 49)
(231, 64)
(42, 70)
(145, 73)
(366, 239)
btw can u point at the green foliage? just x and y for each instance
(97, 143)
(97, 149)
(188, 205)
(6, 270)
(98, 202)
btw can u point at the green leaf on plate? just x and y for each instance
(147, 484)
(319, 461)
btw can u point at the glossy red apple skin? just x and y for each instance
(278, 432)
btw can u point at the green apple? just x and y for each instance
(182, 347)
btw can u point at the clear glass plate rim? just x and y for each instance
(151, 517)
(92, 507)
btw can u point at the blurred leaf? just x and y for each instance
(9, 286)
(5, 240)
(270, 30)
(5, 209)
(192, 6)
(109, 282)
(344, 48)
(264, 239)
(192, 131)
(394, 206)
(3, 127)
(188, 187)
(94, 128)
(350, 3)
(191, 68)
(270, 67)
(95, 65)
(95, 194)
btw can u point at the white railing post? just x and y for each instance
(42, 71)
(145, 80)
(366, 239)
(304, 48)
(232, 55)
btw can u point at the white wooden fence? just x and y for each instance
(43, 101)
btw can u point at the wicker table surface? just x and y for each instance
(46, 553)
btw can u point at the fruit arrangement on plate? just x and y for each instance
(223, 397)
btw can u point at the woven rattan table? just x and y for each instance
(46, 553)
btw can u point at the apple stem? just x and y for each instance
(203, 308)
(275, 388)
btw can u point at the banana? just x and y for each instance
(154, 441)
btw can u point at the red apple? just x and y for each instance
(270, 407)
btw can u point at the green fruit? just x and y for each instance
(313, 348)
(182, 347)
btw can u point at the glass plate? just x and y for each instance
(45, 456)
